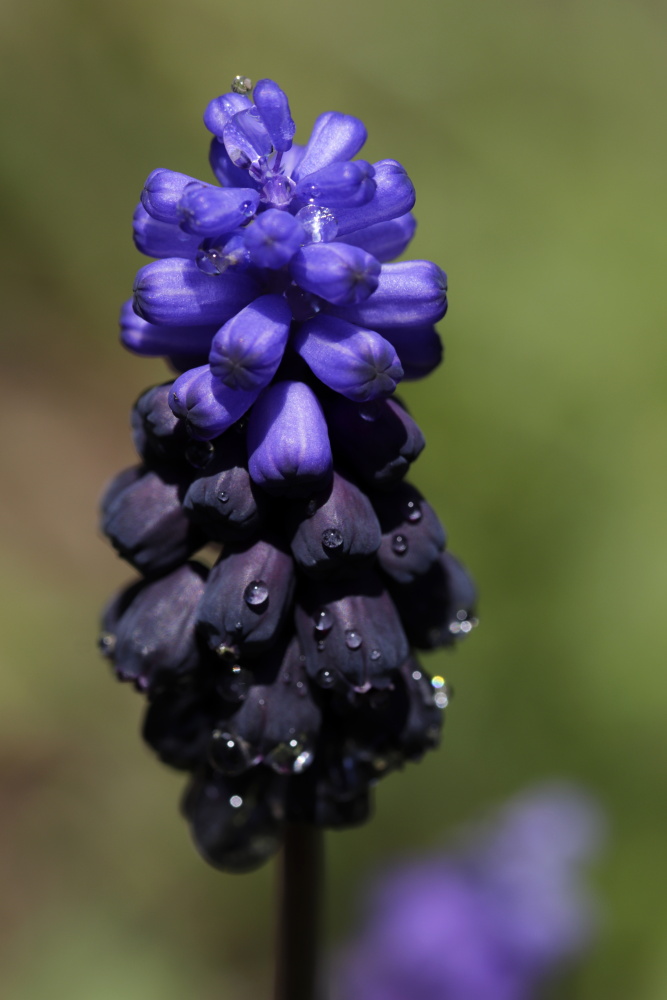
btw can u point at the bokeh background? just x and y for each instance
(534, 133)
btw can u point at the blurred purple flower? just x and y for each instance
(490, 920)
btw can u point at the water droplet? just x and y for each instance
(256, 593)
(466, 627)
(416, 675)
(235, 685)
(304, 760)
(352, 639)
(441, 698)
(368, 412)
(320, 645)
(375, 654)
(325, 678)
(323, 620)
(319, 223)
(236, 801)
(399, 545)
(437, 682)
(462, 615)
(414, 514)
(106, 643)
(455, 627)
(199, 453)
(223, 497)
(301, 689)
(241, 84)
(227, 652)
(229, 754)
(212, 262)
(290, 757)
(332, 539)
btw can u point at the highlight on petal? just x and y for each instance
(336, 272)
(205, 210)
(288, 441)
(222, 109)
(358, 363)
(174, 292)
(246, 138)
(334, 137)
(409, 293)
(246, 351)
(274, 110)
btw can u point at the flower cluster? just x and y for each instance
(283, 678)
(491, 921)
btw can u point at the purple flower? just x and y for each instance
(284, 679)
(489, 921)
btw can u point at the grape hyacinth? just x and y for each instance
(284, 677)
(494, 919)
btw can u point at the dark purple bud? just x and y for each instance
(424, 717)
(288, 442)
(223, 500)
(208, 211)
(246, 352)
(175, 292)
(162, 193)
(277, 724)
(335, 532)
(246, 138)
(222, 109)
(378, 439)
(350, 633)
(178, 726)
(226, 172)
(145, 523)
(248, 597)
(340, 185)
(274, 110)
(412, 536)
(335, 137)
(394, 196)
(336, 272)
(410, 293)
(358, 363)
(385, 240)
(154, 637)
(161, 239)
(439, 607)
(153, 340)
(207, 405)
(236, 823)
(418, 347)
(273, 238)
(158, 435)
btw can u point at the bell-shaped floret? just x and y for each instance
(412, 536)
(236, 823)
(155, 340)
(158, 435)
(154, 638)
(419, 348)
(208, 211)
(385, 240)
(248, 597)
(394, 196)
(273, 238)
(358, 363)
(274, 110)
(379, 439)
(277, 723)
(335, 532)
(350, 633)
(340, 185)
(143, 519)
(335, 137)
(207, 405)
(178, 724)
(163, 191)
(223, 500)
(246, 352)
(439, 607)
(161, 239)
(288, 443)
(174, 292)
(222, 109)
(246, 138)
(336, 272)
(409, 293)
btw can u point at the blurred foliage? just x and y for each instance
(532, 131)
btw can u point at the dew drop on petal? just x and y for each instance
(399, 545)
(229, 754)
(223, 497)
(332, 539)
(323, 620)
(375, 655)
(319, 223)
(325, 678)
(256, 594)
(352, 639)
(413, 512)
(241, 84)
(106, 643)
(236, 801)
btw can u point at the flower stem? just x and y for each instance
(300, 896)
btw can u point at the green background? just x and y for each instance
(534, 133)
